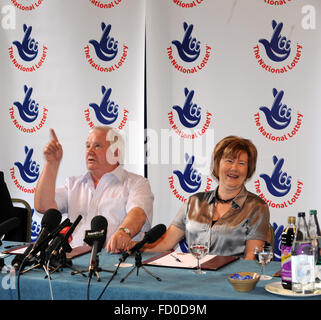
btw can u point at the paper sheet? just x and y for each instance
(18, 251)
(76, 251)
(187, 260)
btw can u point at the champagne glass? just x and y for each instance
(263, 255)
(199, 250)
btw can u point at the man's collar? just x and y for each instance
(118, 173)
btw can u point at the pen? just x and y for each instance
(178, 260)
(11, 246)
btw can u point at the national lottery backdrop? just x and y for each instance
(68, 65)
(249, 68)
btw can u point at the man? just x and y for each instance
(123, 198)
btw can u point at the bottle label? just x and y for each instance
(286, 273)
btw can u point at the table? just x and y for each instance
(176, 284)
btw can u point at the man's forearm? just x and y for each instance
(134, 221)
(45, 189)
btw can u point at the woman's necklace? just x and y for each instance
(221, 200)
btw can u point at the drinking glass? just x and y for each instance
(263, 255)
(303, 273)
(318, 277)
(199, 250)
(198, 236)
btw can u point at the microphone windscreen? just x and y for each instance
(155, 233)
(51, 219)
(9, 225)
(99, 226)
(99, 223)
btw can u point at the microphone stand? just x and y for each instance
(61, 260)
(96, 270)
(138, 264)
(30, 268)
(38, 263)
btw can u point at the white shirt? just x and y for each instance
(116, 194)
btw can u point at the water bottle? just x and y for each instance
(315, 235)
(302, 259)
(287, 238)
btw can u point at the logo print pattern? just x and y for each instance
(278, 48)
(29, 170)
(189, 49)
(279, 117)
(28, 49)
(35, 230)
(29, 109)
(107, 111)
(107, 48)
(279, 184)
(190, 114)
(191, 179)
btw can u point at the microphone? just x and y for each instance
(64, 231)
(25, 258)
(72, 228)
(150, 236)
(59, 229)
(57, 237)
(49, 222)
(62, 238)
(96, 238)
(8, 225)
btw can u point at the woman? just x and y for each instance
(239, 219)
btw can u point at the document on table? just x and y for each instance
(76, 251)
(187, 260)
(19, 249)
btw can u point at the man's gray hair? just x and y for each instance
(116, 142)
